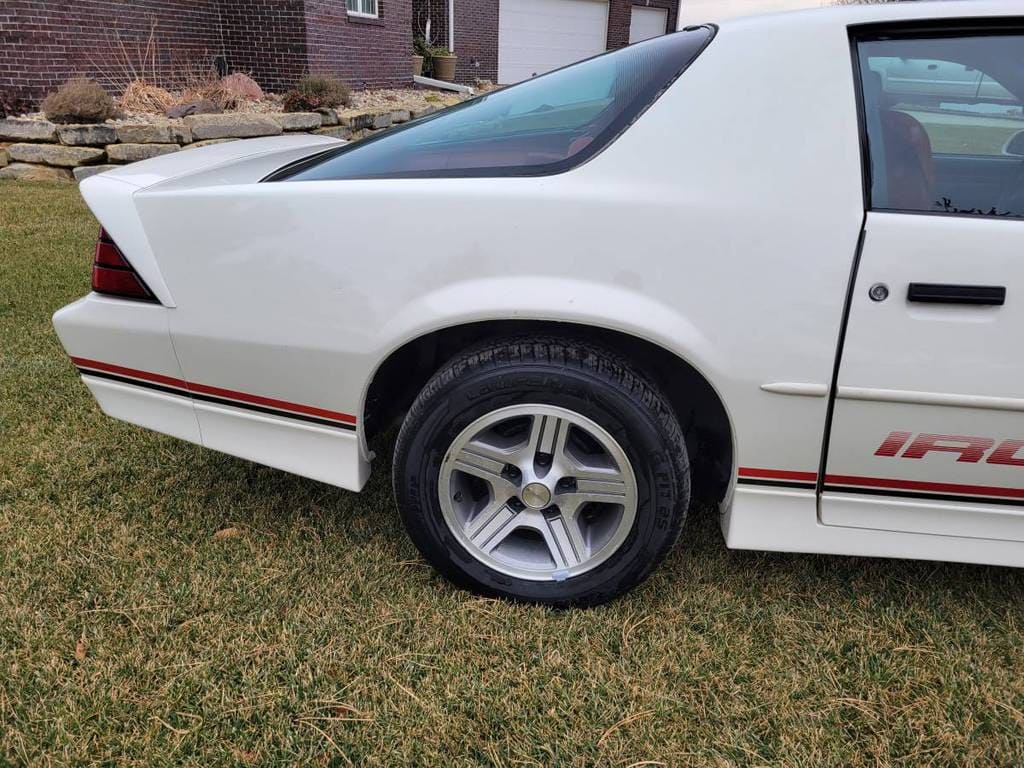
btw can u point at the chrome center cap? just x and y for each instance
(536, 496)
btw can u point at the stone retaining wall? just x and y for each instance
(37, 150)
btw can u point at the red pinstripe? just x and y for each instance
(918, 485)
(778, 474)
(884, 483)
(191, 386)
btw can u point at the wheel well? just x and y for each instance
(700, 411)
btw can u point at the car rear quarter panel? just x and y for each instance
(721, 226)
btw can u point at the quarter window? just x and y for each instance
(362, 7)
(945, 123)
(542, 126)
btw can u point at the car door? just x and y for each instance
(927, 431)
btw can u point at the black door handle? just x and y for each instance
(944, 293)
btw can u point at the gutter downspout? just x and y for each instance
(451, 26)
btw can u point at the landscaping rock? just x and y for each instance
(4, 158)
(416, 114)
(328, 116)
(13, 129)
(167, 133)
(206, 143)
(240, 86)
(337, 131)
(131, 153)
(30, 172)
(85, 171)
(54, 154)
(299, 121)
(87, 135)
(197, 107)
(401, 116)
(356, 119)
(238, 125)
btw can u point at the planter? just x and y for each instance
(444, 67)
(417, 66)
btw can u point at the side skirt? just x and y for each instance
(786, 520)
(291, 442)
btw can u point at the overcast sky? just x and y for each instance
(696, 11)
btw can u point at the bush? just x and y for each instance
(12, 105)
(211, 91)
(141, 96)
(315, 91)
(295, 101)
(79, 101)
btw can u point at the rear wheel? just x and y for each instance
(547, 471)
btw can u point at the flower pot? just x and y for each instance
(417, 66)
(444, 67)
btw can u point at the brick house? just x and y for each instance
(368, 43)
(509, 40)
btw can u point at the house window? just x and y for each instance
(362, 7)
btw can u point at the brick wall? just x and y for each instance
(476, 40)
(367, 53)
(44, 42)
(267, 39)
(620, 13)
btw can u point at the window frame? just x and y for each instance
(361, 14)
(287, 172)
(917, 29)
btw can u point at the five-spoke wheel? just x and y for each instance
(537, 492)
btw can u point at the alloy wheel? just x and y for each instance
(538, 492)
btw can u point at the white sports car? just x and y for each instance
(777, 264)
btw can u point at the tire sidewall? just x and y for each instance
(449, 410)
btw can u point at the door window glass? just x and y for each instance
(945, 123)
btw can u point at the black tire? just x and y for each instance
(583, 377)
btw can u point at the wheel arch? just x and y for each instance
(702, 412)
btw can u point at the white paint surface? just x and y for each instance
(702, 11)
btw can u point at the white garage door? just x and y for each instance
(536, 36)
(645, 23)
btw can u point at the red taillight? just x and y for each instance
(113, 275)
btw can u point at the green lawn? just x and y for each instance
(131, 633)
(964, 133)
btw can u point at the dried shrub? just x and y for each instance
(201, 83)
(135, 68)
(209, 91)
(79, 101)
(315, 91)
(141, 96)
